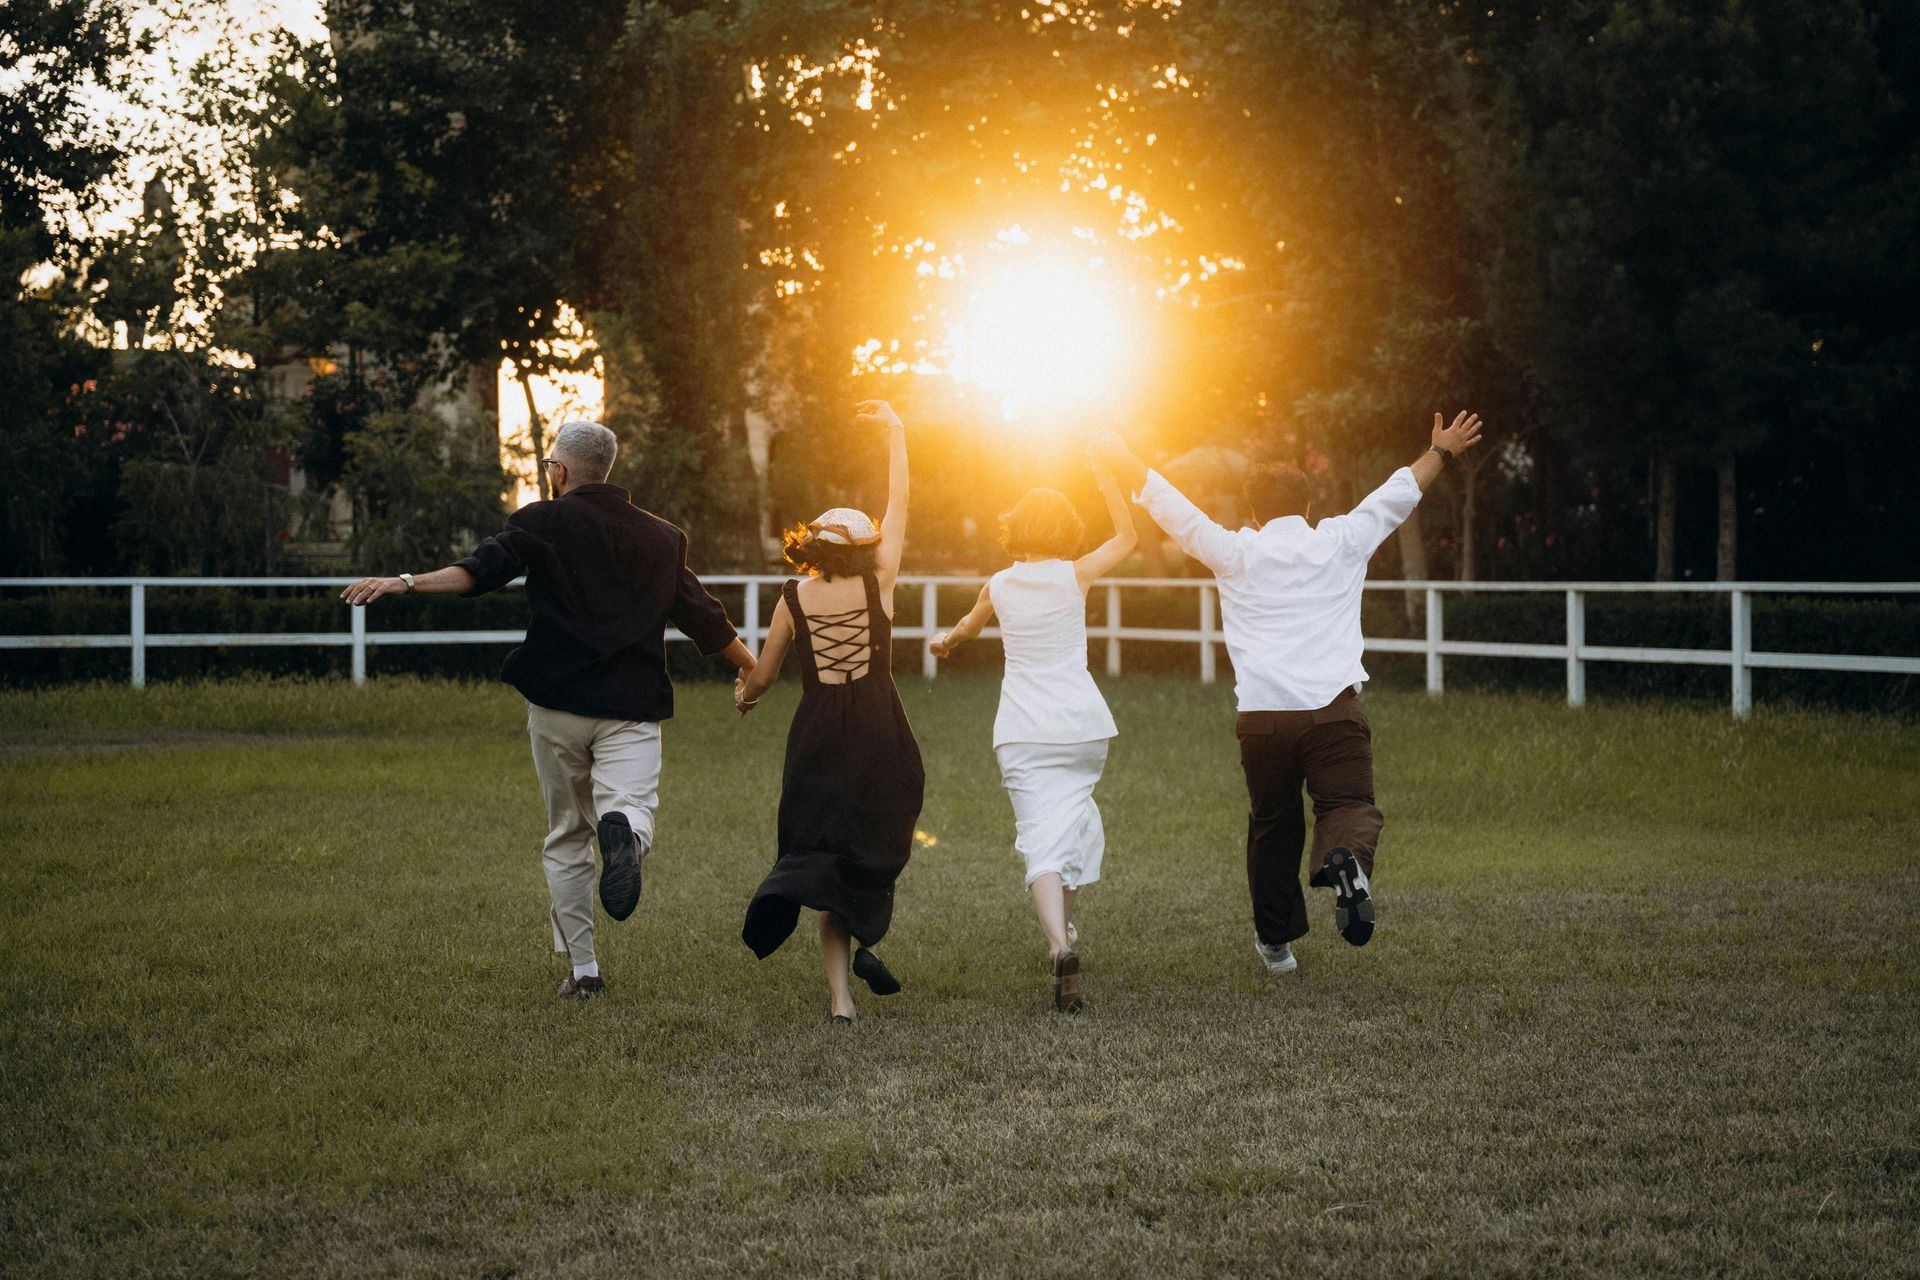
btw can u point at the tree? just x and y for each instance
(1678, 173)
(54, 160)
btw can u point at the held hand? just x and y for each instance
(740, 703)
(1105, 451)
(367, 590)
(877, 413)
(1461, 436)
(941, 647)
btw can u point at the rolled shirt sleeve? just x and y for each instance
(700, 617)
(1364, 528)
(1191, 528)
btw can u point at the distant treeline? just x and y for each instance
(1669, 252)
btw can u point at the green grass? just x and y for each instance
(277, 1001)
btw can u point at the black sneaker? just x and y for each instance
(868, 968)
(619, 866)
(1352, 904)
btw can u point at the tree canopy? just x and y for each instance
(1666, 251)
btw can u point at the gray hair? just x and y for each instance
(587, 449)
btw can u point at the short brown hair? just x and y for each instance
(1276, 489)
(1042, 523)
(818, 558)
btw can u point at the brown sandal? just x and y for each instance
(1066, 983)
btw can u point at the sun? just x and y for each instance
(1053, 339)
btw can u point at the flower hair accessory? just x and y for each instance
(843, 527)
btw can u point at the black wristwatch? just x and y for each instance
(1446, 455)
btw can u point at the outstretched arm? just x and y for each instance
(967, 628)
(1104, 558)
(1195, 532)
(452, 580)
(757, 678)
(893, 525)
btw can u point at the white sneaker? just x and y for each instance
(1277, 959)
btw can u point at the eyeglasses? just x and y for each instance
(552, 462)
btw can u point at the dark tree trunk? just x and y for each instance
(1726, 545)
(1413, 563)
(1469, 514)
(1666, 500)
(536, 435)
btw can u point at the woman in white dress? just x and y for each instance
(1053, 726)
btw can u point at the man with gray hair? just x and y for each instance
(604, 580)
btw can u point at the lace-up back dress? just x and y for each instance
(852, 787)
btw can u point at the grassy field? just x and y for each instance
(277, 1002)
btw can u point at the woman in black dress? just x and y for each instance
(851, 789)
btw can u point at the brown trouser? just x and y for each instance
(1331, 750)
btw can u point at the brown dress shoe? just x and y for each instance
(581, 988)
(1066, 983)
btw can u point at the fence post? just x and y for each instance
(1113, 627)
(137, 624)
(359, 615)
(1576, 640)
(1742, 646)
(750, 616)
(1436, 631)
(1206, 634)
(929, 622)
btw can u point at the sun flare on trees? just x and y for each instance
(1053, 340)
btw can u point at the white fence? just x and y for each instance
(1741, 659)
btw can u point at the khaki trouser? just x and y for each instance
(1331, 751)
(588, 769)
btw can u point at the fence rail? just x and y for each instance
(1740, 658)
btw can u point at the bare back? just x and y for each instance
(836, 619)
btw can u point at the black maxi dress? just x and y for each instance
(851, 790)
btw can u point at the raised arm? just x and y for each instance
(1377, 515)
(967, 628)
(759, 678)
(893, 525)
(1106, 557)
(1447, 442)
(1191, 528)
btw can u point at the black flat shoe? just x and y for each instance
(839, 1020)
(619, 866)
(868, 968)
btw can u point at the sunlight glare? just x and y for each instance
(1053, 339)
(561, 398)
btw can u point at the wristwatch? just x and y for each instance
(1446, 455)
(408, 579)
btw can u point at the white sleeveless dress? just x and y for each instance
(1053, 727)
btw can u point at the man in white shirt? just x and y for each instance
(1290, 608)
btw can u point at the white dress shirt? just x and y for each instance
(1289, 591)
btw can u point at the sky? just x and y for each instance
(183, 32)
